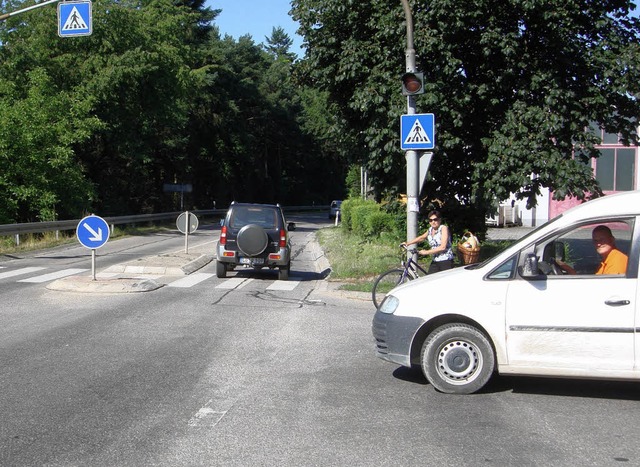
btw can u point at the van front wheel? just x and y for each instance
(457, 359)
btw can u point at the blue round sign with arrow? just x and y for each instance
(92, 232)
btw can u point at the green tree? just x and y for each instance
(279, 44)
(41, 178)
(514, 86)
(154, 96)
(137, 73)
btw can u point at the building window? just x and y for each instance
(615, 169)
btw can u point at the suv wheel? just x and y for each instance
(221, 269)
(252, 240)
(283, 272)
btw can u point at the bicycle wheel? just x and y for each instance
(385, 282)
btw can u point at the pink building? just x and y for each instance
(616, 169)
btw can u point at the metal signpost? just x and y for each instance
(93, 232)
(187, 223)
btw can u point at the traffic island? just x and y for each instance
(176, 264)
(86, 284)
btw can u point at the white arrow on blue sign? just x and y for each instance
(74, 19)
(417, 132)
(92, 232)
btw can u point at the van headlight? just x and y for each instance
(389, 305)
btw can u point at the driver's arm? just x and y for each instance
(565, 267)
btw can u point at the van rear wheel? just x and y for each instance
(457, 359)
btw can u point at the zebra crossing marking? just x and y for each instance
(53, 275)
(19, 272)
(283, 285)
(191, 280)
(234, 283)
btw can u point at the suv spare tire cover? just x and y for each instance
(252, 240)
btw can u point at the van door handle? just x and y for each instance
(617, 302)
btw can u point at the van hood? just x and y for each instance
(440, 291)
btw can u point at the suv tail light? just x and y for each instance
(283, 238)
(223, 235)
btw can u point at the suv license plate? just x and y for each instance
(251, 260)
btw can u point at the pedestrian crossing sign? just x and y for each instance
(417, 132)
(74, 18)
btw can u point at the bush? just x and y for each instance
(361, 215)
(379, 222)
(346, 212)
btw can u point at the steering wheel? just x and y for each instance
(555, 269)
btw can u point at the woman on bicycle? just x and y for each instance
(439, 239)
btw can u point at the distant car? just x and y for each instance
(334, 208)
(254, 235)
(519, 313)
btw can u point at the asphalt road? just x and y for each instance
(245, 371)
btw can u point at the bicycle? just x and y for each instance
(410, 269)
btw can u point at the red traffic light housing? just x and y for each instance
(412, 84)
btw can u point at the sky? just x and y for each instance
(257, 18)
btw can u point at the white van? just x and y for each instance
(519, 313)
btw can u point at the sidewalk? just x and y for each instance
(508, 233)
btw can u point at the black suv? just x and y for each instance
(254, 235)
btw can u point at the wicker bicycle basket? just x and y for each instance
(469, 254)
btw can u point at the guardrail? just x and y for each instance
(59, 226)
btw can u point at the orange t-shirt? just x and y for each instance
(614, 263)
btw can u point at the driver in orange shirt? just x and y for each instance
(613, 260)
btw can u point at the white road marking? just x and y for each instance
(193, 247)
(191, 280)
(234, 283)
(19, 272)
(53, 275)
(283, 285)
(206, 416)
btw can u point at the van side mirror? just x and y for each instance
(530, 268)
(291, 226)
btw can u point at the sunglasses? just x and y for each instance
(433, 219)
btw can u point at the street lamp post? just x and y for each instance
(33, 7)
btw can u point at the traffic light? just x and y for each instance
(412, 84)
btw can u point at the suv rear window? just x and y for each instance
(241, 216)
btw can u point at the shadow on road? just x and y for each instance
(268, 274)
(622, 390)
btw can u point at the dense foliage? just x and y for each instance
(514, 85)
(154, 96)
